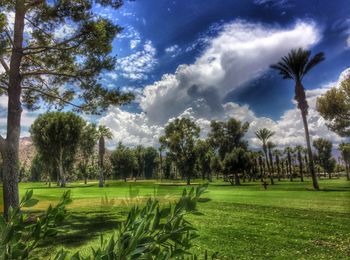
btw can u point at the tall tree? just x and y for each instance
(288, 152)
(38, 61)
(204, 154)
(264, 135)
(180, 138)
(295, 66)
(225, 136)
(324, 155)
(277, 153)
(235, 163)
(299, 149)
(215, 165)
(270, 146)
(124, 162)
(103, 133)
(334, 106)
(345, 153)
(151, 161)
(87, 144)
(57, 135)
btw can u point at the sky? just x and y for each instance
(209, 60)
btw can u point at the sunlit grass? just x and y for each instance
(287, 221)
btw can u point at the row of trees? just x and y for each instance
(225, 152)
(64, 140)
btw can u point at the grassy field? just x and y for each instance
(288, 221)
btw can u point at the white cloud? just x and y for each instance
(173, 50)
(348, 41)
(239, 53)
(137, 65)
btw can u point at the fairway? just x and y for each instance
(287, 221)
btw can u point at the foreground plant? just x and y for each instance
(22, 232)
(151, 232)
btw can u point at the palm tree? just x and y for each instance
(295, 66)
(264, 135)
(270, 146)
(103, 132)
(299, 149)
(288, 152)
(277, 153)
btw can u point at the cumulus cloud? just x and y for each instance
(239, 53)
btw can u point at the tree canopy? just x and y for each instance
(334, 106)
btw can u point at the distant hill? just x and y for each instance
(26, 151)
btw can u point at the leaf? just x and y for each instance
(30, 203)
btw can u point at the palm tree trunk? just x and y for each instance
(101, 155)
(308, 144)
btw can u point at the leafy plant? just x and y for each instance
(22, 231)
(151, 232)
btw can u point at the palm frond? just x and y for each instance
(319, 57)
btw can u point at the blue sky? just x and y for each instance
(183, 23)
(209, 60)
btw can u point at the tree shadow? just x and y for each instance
(81, 227)
(62, 188)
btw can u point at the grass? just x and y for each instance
(288, 221)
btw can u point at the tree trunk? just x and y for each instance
(237, 180)
(101, 155)
(188, 180)
(347, 171)
(311, 160)
(11, 146)
(61, 170)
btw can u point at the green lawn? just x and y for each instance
(288, 221)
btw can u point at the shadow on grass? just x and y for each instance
(81, 227)
(58, 187)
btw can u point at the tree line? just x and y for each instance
(70, 148)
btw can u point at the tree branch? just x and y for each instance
(53, 96)
(48, 72)
(4, 64)
(33, 4)
(2, 144)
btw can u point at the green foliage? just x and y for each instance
(22, 232)
(49, 60)
(225, 136)
(204, 154)
(334, 106)
(124, 162)
(56, 135)
(236, 162)
(180, 137)
(324, 154)
(151, 232)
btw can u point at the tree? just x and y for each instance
(103, 133)
(288, 152)
(215, 165)
(334, 106)
(295, 66)
(123, 161)
(57, 136)
(299, 149)
(225, 136)
(38, 61)
(277, 153)
(345, 153)
(204, 154)
(264, 135)
(235, 163)
(87, 144)
(324, 155)
(180, 138)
